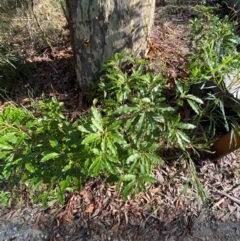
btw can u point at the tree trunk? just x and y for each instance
(101, 28)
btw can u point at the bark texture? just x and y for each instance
(101, 28)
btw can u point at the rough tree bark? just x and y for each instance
(101, 28)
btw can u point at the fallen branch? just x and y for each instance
(234, 199)
(227, 195)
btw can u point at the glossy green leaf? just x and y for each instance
(132, 157)
(97, 119)
(103, 144)
(114, 126)
(148, 179)
(154, 158)
(146, 100)
(180, 141)
(9, 137)
(179, 86)
(127, 108)
(30, 167)
(194, 98)
(110, 167)
(128, 189)
(85, 128)
(112, 158)
(53, 142)
(111, 146)
(186, 126)
(194, 106)
(5, 146)
(140, 124)
(91, 138)
(184, 136)
(117, 137)
(49, 156)
(128, 177)
(95, 167)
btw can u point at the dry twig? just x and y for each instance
(234, 199)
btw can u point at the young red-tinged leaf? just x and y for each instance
(49, 156)
(91, 138)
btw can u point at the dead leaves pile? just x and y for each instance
(100, 210)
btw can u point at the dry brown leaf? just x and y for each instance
(52, 211)
(58, 222)
(115, 226)
(89, 209)
(68, 220)
(37, 221)
(96, 212)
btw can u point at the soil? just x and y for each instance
(170, 209)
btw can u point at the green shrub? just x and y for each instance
(118, 140)
(41, 147)
(212, 57)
